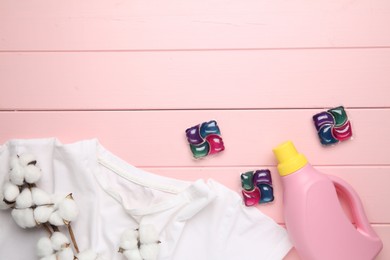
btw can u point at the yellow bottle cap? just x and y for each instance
(289, 160)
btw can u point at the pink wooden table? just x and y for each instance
(136, 73)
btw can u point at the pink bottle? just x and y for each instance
(315, 220)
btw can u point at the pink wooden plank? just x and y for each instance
(156, 138)
(382, 230)
(384, 233)
(172, 80)
(174, 24)
(371, 183)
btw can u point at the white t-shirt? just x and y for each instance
(202, 220)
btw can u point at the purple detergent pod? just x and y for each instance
(333, 126)
(205, 139)
(262, 177)
(257, 187)
(263, 180)
(323, 118)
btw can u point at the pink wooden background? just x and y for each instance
(136, 73)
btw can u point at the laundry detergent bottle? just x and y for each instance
(315, 220)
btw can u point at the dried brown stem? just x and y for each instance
(72, 237)
(47, 228)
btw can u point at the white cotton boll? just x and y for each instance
(44, 247)
(11, 191)
(149, 251)
(68, 209)
(50, 257)
(87, 255)
(29, 220)
(40, 197)
(129, 234)
(148, 234)
(129, 239)
(133, 254)
(24, 218)
(27, 158)
(55, 219)
(129, 244)
(59, 241)
(18, 216)
(32, 173)
(14, 162)
(65, 254)
(24, 200)
(43, 213)
(16, 175)
(57, 199)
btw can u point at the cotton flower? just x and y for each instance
(55, 219)
(29, 220)
(65, 254)
(44, 247)
(59, 241)
(65, 210)
(56, 199)
(24, 169)
(24, 217)
(24, 200)
(149, 251)
(68, 209)
(43, 213)
(130, 234)
(148, 234)
(129, 240)
(40, 197)
(34, 206)
(133, 254)
(56, 246)
(18, 216)
(27, 159)
(11, 192)
(141, 244)
(14, 162)
(128, 245)
(16, 175)
(32, 173)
